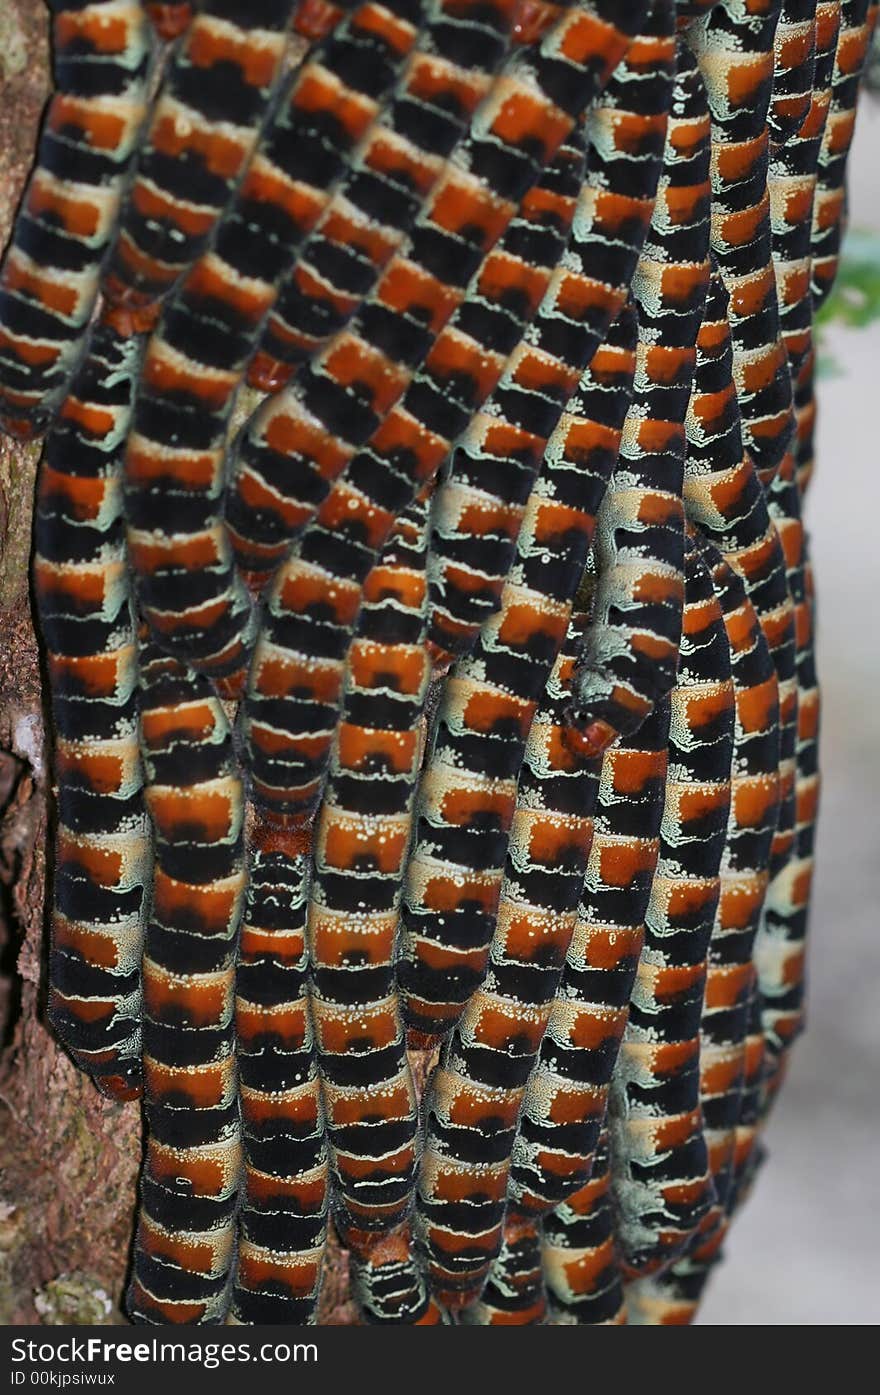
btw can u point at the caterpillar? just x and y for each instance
(780, 947)
(662, 1183)
(734, 44)
(791, 183)
(103, 60)
(475, 1094)
(466, 797)
(565, 1106)
(724, 498)
(285, 1187)
(631, 651)
(487, 480)
(583, 1275)
(103, 847)
(185, 1240)
(360, 845)
(857, 19)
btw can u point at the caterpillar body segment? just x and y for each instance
(734, 44)
(216, 91)
(794, 62)
(662, 1181)
(475, 1096)
(341, 544)
(857, 19)
(185, 1243)
(631, 651)
(564, 1110)
(169, 18)
(102, 61)
(360, 847)
(282, 1220)
(466, 797)
(581, 1265)
(490, 474)
(514, 1294)
(103, 854)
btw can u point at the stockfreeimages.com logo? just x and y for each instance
(95, 1350)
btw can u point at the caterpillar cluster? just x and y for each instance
(419, 559)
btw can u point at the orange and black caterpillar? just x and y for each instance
(103, 851)
(361, 844)
(188, 586)
(630, 653)
(284, 1198)
(102, 63)
(725, 500)
(185, 1242)
(734, 43)
(857, 20)
(662, 1181)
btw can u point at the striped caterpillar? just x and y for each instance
(102, 851)
(459, 694)
(49, 280)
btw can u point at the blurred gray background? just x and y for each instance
(806, 1248)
